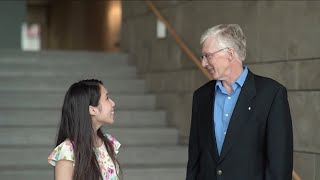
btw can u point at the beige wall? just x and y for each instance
(282, 38)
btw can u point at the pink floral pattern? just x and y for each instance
(64, 151)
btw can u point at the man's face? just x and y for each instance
(215, 59)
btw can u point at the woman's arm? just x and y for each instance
(63, 170)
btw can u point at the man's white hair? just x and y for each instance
(227, 35)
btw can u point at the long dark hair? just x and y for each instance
(76, 125)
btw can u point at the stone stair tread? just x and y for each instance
(123, 118)
(154, 173)
(14, 56)
(54, 100)
(32, 88)
(67, 71)
(46, 136)
(129, 156)
(67, 68)
(53, 84)
(59, 62)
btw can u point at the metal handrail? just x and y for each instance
(188, 52)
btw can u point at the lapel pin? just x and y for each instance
(249, 108)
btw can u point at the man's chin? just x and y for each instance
(213, 74)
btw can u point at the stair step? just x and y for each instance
(92, 66)
(45, 100)
(127, 136)
(82, 73)
(61, 63)
(52, 84)
(123, 118)
(61, 58)
(151, 156)
(168, 173)
(129, 157)
(160, 173)
(34, 174)
(32, 89)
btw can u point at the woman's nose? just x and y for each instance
(112, 103)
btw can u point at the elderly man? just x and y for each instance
(241, 126)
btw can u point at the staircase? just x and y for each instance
(32, 88)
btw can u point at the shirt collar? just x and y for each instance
(242, 77)
(238, 83)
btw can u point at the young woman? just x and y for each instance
(83, 151)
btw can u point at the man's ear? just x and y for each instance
(92, 110)
(230, 54)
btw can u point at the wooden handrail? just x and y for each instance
(295, 176)
(188, 52)
(179, 41)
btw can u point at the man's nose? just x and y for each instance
(204, 63)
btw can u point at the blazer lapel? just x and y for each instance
(241, 113)
(208, 116)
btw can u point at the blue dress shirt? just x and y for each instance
(223, 106)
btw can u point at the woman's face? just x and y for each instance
(105, 108)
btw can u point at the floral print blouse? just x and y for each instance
(64, 151)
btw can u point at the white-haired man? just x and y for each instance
(241, 127)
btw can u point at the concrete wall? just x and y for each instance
(12, 15)
(282, 38)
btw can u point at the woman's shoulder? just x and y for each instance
(64, 151)
(116, 144)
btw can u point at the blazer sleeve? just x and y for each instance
(279, 139)
(193, 152)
